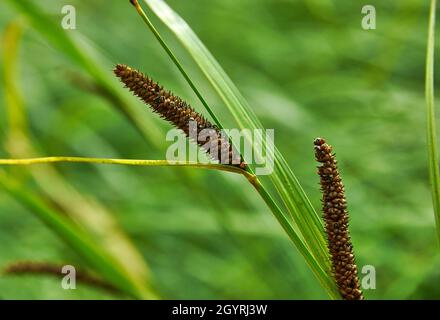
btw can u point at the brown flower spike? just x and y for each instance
(180, 114)
(44, 268)
(336, 223)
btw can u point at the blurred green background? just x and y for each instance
(307, 68)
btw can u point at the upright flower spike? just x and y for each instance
(180, 114)
(336, 223)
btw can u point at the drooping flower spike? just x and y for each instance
(180, 114)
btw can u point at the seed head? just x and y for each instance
(180, 114)
(45, 268)
(336, 223)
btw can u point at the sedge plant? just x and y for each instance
(282, 192)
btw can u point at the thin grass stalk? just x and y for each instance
(131, 162)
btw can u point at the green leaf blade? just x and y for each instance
(431, 131)
(301, 212)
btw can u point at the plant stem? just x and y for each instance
(131, 162)
(320, 274)
(176, 61)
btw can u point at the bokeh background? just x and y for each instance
(307, 68)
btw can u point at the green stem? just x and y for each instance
(175, 60)
(320, 274)
(131, 162)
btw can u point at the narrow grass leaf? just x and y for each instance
(434, 175)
